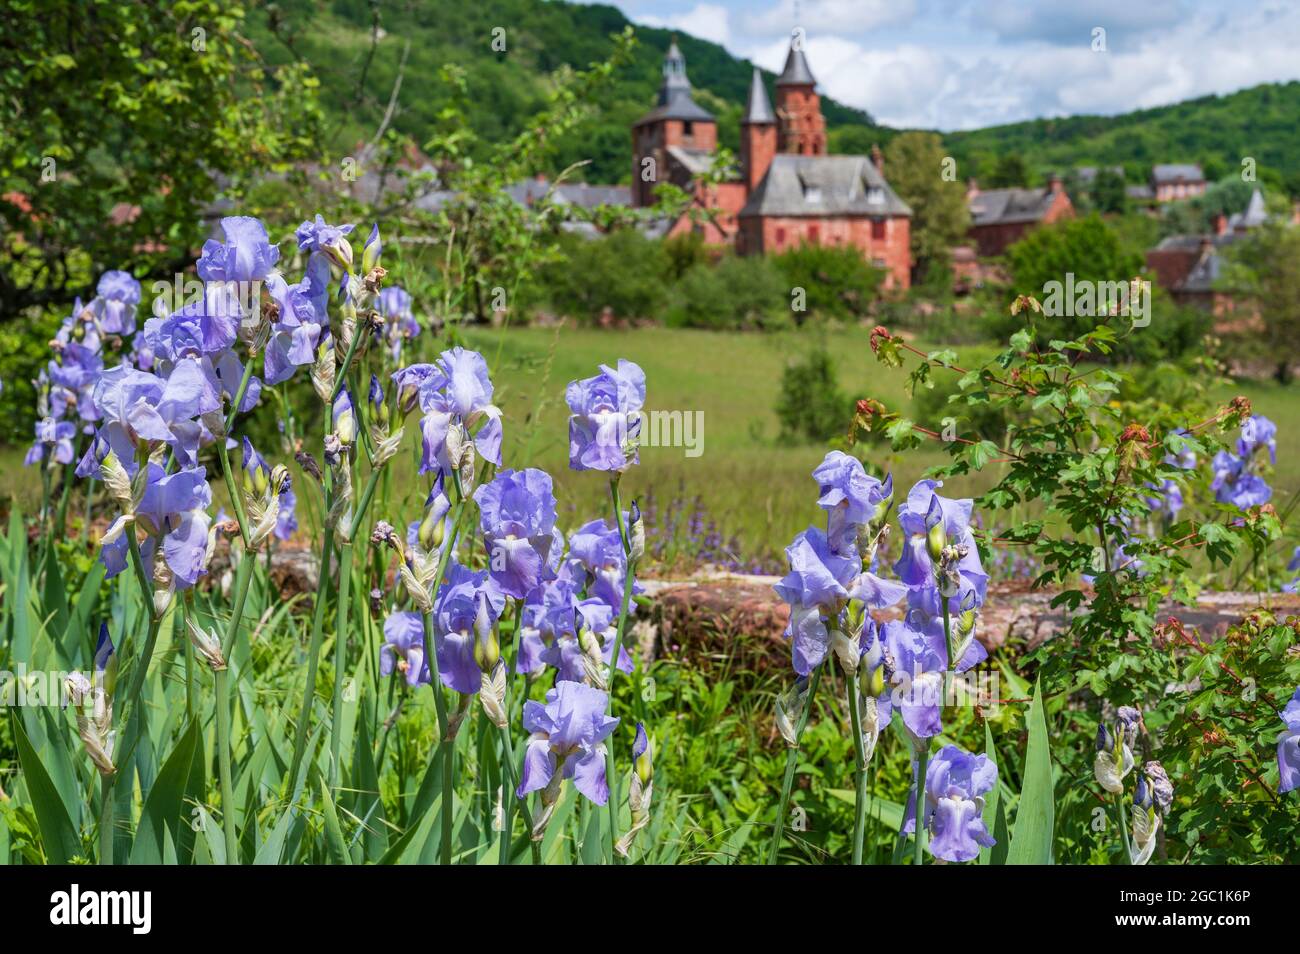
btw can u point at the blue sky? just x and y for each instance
(960, 64)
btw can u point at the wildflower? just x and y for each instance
(1115, 749)
(457, 625)
(1236, 480)
(939, 546)
(517, 517)
(403, 649)
(605, 423)
(816, 589)
(245, 256)
(53, 442)
(955, 785)
(459, 417)
(567, 742)
(96, 728)
(597, 562)
(916, 661)
(116, 297)
(1288, 747)
(851, 498)
(642, 788)
(330, 241)
(296, 329)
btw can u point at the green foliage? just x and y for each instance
(1080, 484)
(837, 281)
(1217, 131)
(624, 272)
(1010, 172)
(811, 406)
(119, 121)
(914, 162)
(736, 293)
(1264, 271)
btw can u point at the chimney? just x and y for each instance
(1220, 224)
(878, 158)
(1054, 184)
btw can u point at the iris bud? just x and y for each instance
(636, 533)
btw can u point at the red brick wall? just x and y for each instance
(803, 129)
(720, 228)
(757, 148)
(892, 252)
(653, 139)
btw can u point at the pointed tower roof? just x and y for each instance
(796, 72)
(675, 92)
(758, 109)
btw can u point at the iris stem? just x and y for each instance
(224, 771)
(791, 761)
(106, 820)
(611, 776)
(860, 766)
(922, 761)
(313, 651)
(340, 656)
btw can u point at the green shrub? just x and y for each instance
(623, 271)
(735, 293)
(838, 282)
(811, 406)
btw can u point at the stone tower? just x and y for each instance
(798, 107)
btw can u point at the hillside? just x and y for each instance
(1217, 131)
(541, 37)
(335, 37)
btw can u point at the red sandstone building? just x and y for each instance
(999, 217)
(789, 191)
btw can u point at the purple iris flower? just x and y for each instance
(245, 256)
(568, 733)
(597, 562)
(918, 658)
(455, 614)
(1288, 747)
(1236, 483)
(850, 497)
(142, 411)
(174, 514)
(330, 241)
(286, 519)
(296, 331)
(925, 510)
(955, 785)
(1169, 500)
(517, 517)
(565, 652)
(458, 394)
(606, 418)
(817, 588)
(53, 440)
(403, 649)
(399, 321)
(117, 294)
(1258, 431)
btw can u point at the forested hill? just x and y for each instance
(508, 86)
(1216, 131)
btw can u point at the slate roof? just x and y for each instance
(1177, 172)
(1254, 215)
(821, 186)
(1005, 206)
(580, 194)
(696, 161)
(758, 109)
(796, 72)
(675, 93)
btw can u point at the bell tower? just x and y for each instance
(802, 129)
(758, 131)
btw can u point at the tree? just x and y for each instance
(121, 123)
(1108, 192)
(915, 165)
(1010, 172)
(1264, 271)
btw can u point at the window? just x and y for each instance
(878, 227)
(812, 193)
(813, 234)
(688, 128)
(875, 195)
(780, 236)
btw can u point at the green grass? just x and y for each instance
(755, 485)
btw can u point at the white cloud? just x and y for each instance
(708, 21)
